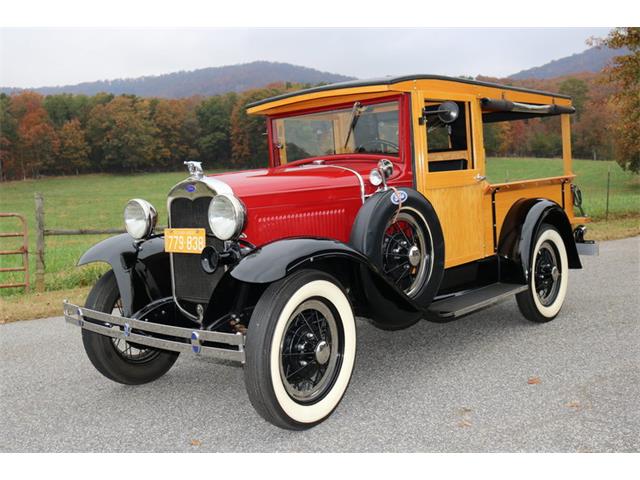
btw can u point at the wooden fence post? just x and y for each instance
(39, 242)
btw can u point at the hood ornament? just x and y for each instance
(195, 169)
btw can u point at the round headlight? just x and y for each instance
(375, 177)
(226, 216)
(140, 218)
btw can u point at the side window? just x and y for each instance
(448, 143)
(521, 148)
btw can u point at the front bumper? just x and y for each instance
(228, 346)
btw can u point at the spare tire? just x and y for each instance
(399, 231)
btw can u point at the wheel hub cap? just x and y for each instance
(414, 256)
(323, 352)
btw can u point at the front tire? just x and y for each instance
(549, 277)
(300, 350)
(116, 359)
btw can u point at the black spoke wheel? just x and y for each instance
(407, 253)
(548, 277)
(547, 271)
(118, 359)
(310, 351)
(300, 349)
(399, 232)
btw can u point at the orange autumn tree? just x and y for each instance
(73, 153)
(625, 72)
(178, 130)
(38, 142)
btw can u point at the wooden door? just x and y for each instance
(452, 177)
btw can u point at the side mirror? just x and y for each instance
(386, 168)
(447, 113)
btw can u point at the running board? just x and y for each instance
(472, 300)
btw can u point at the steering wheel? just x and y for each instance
(378, 141)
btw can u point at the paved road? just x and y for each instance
(456, 387)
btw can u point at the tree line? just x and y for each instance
(72, 134)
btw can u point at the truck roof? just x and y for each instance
(390, 81)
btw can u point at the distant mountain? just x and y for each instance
(591, 60)
(204, 81)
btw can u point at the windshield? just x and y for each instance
(369, 129)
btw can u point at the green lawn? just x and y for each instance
(97, 201)
(87, 201)
(591, 178)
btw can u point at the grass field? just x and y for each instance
(97, 201)
(591, 178)
(87, 201)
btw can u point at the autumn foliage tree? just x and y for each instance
(123, 136)
(248, 132)
(178, 131)
(73, 153)
(38, 142)
(625, 72)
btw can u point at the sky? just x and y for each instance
(36, 57)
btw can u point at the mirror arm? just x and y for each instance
(425, 113)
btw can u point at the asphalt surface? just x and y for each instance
(489, 382)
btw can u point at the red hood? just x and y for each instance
(301, 200)
(333, 181)
(290, 201)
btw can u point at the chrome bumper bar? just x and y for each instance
(140, 332)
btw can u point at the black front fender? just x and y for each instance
(137, 268)
(370, 292)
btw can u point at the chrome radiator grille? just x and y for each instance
(191, 283)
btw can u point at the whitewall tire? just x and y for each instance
(548, 277)
(300, 350)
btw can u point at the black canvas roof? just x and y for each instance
(403, 78)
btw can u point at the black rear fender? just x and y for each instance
(142, 272)
(520, 230)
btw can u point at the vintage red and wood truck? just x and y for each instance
(375, 204)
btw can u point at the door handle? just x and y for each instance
(479, 178)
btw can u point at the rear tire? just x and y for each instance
(300, 350)
(116, 359)
(548, 277)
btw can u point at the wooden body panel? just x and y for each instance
(508, 195)
(459, 210)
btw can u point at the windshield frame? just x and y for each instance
(404, 138)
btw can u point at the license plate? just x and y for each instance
(184, 240)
